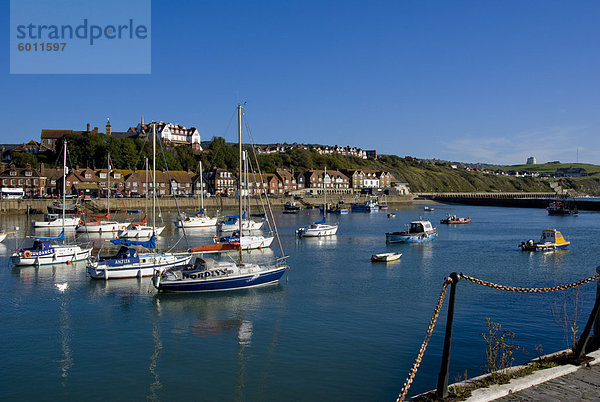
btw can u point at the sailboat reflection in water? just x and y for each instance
(207, 275)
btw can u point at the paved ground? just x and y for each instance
(582, 385)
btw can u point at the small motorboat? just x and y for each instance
(429, 209)
(386, 257)
(453, 220)
(391, 215)
(551, 240)
(418, 232)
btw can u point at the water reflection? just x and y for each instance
(120, 287)
(65, 338)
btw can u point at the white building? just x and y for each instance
(175, 134)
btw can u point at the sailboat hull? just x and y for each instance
(55, 255)
(148, 264)
(196, 222)
(219, 284)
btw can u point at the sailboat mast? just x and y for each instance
(201, 187)
(146, 192)
(153, 177)
(64, 187)
(108, 189)
(239, 107)
(325, 187)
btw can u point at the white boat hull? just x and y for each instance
(149, 263)
(102, 227)
(246, 225)
(317, 230)
(139, 231)
(256, 242)
(196, 222)
(62, 254)
(57, 223)
(3, 236)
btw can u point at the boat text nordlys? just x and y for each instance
(128, 263)
(550, 240)
(197, 219)
(419, 231)
(207, 275)
(43, 252)
(453, 220)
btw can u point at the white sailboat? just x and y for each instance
(208, 275)
(140, 230)
(248, 240)
(55, 221)
(321, 228)
(43, 252)
(198, 219)
(97, 225)
(127, 262)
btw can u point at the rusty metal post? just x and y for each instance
(442, 385)
(580, 345)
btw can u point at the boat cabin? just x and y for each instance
(50, 217)
(125, 255)
(420, 227)
(40, 245)
(551, 236)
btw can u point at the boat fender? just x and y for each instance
(27, 254)
(68, 262)
(105, 274)
(124, 227)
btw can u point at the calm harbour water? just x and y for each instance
(338, 327)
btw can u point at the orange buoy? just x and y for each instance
(68, 262)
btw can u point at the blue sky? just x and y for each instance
(474, 81)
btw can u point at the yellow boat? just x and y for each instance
(551, 240)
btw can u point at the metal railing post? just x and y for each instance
(580, 345)
(442, 385)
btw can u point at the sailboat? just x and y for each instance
(140, 230)
(127, 262)
(98, 226)
(248, 241)
(197, 219)
(321, 228)
(207, 275)
(43, 252)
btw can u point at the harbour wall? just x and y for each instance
(99, 205)
(517, 200)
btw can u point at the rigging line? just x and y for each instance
(187, 241)
(112, 165)
(261, 179)
(259, 198)
(76, 189)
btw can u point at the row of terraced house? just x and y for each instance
(45, 182)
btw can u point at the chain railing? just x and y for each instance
(442, 390)
(417, 363)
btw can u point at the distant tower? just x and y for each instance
(108, 130)
(531, 160)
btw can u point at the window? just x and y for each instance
(88, 175)
(13, 173)
(117, 175)
(103, 175)
(162, 185)
(135, 184)
(28, 173)
(12, 182)
(20, 181)
(28, 182)
(50, 141)
(52, 181)
(35, 181)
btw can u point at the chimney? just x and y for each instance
(42, 169)
(88, 128)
